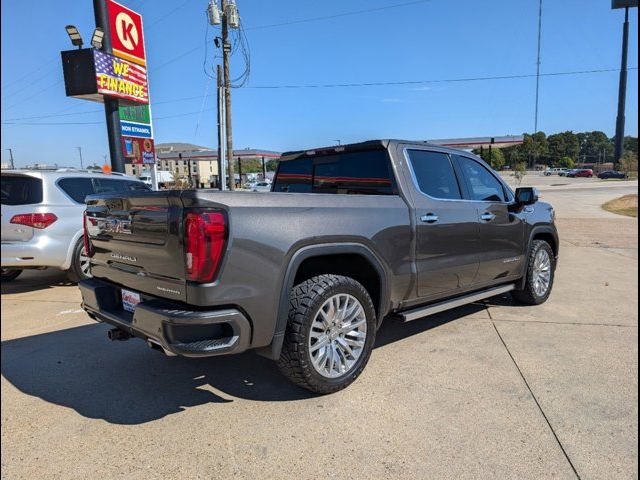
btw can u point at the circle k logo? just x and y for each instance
(127, 31)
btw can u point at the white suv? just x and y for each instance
(42, 215)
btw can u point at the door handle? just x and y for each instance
(487, 217)
(429, 218)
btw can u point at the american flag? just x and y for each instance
(136, 74)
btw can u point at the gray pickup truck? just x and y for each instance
(305, 274)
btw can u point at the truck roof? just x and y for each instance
(369, 144)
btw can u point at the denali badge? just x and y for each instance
(117, 256)
(168, 290)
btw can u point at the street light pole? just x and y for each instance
(11, 158)
(622, 89)
(80, 152)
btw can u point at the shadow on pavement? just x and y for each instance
(126, 383)
(34, 280)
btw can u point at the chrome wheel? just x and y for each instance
(338, 334)
(84, 263)
(541, 273)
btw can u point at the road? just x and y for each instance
(492, 390)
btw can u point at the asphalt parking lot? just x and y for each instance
(492, 390)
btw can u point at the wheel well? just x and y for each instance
(547, 237)
(347, 264)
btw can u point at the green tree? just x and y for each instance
(565, 144)
(496, 159)
(565, 162)
(595, 146)
(519, 172)
(631, 144)
(629, 163)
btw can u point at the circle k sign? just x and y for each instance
(126, 33)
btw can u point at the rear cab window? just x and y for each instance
(20, 190)
(364, 172)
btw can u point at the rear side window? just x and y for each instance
(20, 190)
(294, 176)
(108, 185)
(434, 174)
(481, 183)
(77, 188)
(364, 173)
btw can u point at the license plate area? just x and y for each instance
(129, 300)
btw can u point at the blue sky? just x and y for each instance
(429, 40)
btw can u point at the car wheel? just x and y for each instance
(330, 333)
(540, 274)
(79, 264)
(8, 274)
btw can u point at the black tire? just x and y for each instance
(8, 274)
(528, 295)
(75, 273)
(305, 301)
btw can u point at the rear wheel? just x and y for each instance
(540, 275)
(8, 274)
(79, 264)
(330, 334)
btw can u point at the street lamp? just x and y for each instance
(96, 39)
(74, 35)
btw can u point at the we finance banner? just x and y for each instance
(120, 78)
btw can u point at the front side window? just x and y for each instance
(77, 188)
(481, 183)
(434, 174)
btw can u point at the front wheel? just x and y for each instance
(8, 274)
(330, 333)
(540, 275)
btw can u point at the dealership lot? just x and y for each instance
(488, 390)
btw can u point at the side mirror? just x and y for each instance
(526, 195)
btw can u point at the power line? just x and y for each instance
(333, 85)
(445, 80)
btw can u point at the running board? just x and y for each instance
(454, 303)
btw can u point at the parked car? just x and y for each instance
(580, 172)
(554, 171)
(612, 174)
(42, 217)
(356, 233)
(261, 187)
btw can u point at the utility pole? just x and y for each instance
(11, 158)
(221, 175)
(226, 53)
(535, 128)
(80, 152)
(110, 105)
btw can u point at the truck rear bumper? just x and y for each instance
(189, 333)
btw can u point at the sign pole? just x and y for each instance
(110, 105)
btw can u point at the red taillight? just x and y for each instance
(35, 220)
(85, 237)
(205, 235)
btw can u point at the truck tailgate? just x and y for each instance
(136, 241)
